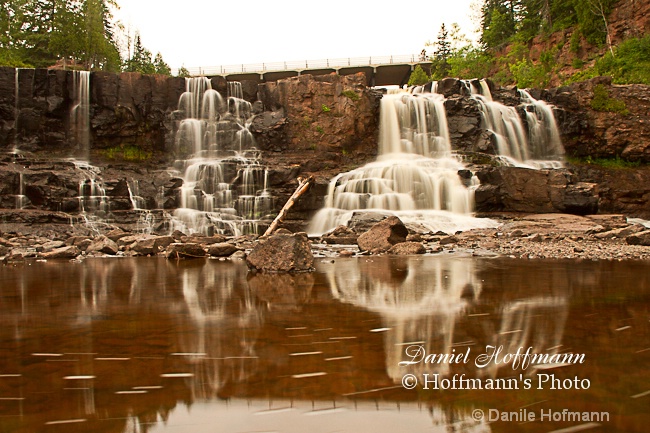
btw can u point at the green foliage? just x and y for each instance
(440, 67)
(630, 64)
(577, 63)
(140, 60)
(39, 32)
(161, 66)
(320, 129)
(616, 163)
(128, 153)
(418, 77)
(603, 102)
(351, 94)
(183, 72)
(325, 109)
(574, 44)
(469, 62)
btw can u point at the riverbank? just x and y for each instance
(535, 236)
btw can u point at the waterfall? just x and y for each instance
(80, 113)
(224, 184)
(415, 177)
(534, 143)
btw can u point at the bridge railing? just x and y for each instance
(306, 64)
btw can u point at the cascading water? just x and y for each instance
(536, 146)
(224, 185)
(80, 114)
(415, 177)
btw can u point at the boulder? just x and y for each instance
(383, 235)
(184, 250)
(103, 245)
(222, 249)
(151, 245)
(342, 235)
(361, 222)
(68, 252)
(282, 253)
(407, 248)
(641, 238)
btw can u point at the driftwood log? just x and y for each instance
(303, 187)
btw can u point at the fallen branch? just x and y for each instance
(303, 186)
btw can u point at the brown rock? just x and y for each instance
(184, 250)
(68, 252)
(407, 248)
(282, 253)
(383, 235)
(103, 245)
(222, 249)
(342, 235)
(641, 238)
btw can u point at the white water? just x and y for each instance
(80, 114)
(536, 145)
(224, 185)
(415, 176)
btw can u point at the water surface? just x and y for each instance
(146, 344)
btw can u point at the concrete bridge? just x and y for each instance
(379, 70)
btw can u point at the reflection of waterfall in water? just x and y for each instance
(420, 307)
(224, 185)
(534, 143)
(415, 177)
(214, 305)
(537, 322)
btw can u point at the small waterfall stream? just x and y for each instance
(224, 184)
(416, 175)
(534, 143)
(80, 114)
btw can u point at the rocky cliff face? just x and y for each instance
(316, 125)
(604, 134)
(126, 109)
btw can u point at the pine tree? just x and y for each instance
(160, 66)
(440, 63)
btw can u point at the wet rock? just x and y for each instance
(517, 189)
(68, 252)
(361, 222)
(407, 248)
(184, 251)
(383, 235)
(204, 240)
(282, 253)
(609, 222)
(116, 235)
(640, 238)
(342, 235)
(103, 245)
(449, 240)
(51, 245)
(620, 233)
(222, 249)
(177, 235)
(238, 255)
(151, 245)
(3, 250)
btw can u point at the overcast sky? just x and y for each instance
(200, 33)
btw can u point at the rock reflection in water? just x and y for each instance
(129, 345)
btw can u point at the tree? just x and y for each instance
(440, 62)
(183, 72)
(418, 77)
(160, 66)
(140, 60)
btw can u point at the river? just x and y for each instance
(154, 345)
